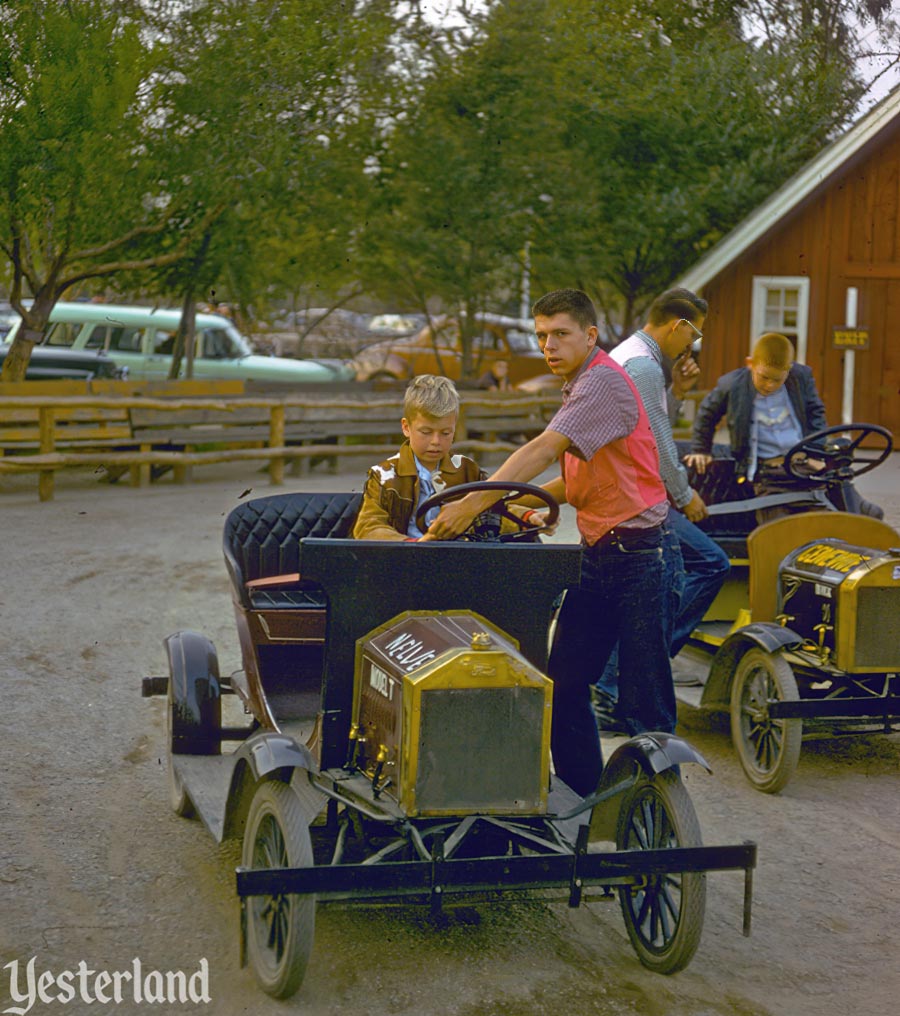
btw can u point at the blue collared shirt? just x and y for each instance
(429, 483)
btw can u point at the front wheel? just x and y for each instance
(664, 914)
(280, 928)
(768, 749)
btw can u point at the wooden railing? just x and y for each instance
(135, 433)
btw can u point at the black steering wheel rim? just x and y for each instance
(848, 456)
(514, 491)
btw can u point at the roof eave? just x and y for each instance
(791, 194)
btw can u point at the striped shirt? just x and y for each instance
(647, 374)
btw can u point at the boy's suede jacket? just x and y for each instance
(733, 398)
(392, 492)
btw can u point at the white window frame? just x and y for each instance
(761, 284)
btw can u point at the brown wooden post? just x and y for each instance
(462, 430)
(47, 423)
(276, 440)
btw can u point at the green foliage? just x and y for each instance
(311, 149)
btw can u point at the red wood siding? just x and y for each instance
(846, 234)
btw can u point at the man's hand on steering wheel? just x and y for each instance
(457, 515)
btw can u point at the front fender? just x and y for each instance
(269, 755)
(762, 635)
(649, 753)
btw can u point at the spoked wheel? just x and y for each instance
(769, 749)
(279, 928)
(664, 915)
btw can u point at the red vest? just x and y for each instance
(621, 480)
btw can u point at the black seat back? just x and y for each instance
(262, 536)
(719, 485)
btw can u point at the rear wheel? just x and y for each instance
(768, 749)
(664, 915)
(280, 928)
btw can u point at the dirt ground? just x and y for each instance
(95, 867)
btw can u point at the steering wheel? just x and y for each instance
(486, 526)
(839, 457)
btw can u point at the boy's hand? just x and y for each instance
(455, 518)
(535, 518)
(698, 461)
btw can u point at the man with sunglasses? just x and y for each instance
(696, 566)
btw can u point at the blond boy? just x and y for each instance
(423, 466)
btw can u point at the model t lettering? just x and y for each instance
(381, 682)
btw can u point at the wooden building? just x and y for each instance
(820, 262)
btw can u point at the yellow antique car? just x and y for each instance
(804, 637)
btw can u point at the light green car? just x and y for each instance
(141, 339)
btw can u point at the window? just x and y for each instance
(216, 344)
(117, 337)
(781, 304)
(97, 338)
(163, 343)
(125, 340)
(61, 334)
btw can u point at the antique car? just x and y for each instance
(804, 638)
(437, 349)
(399, 740)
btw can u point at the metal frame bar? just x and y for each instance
(870, 706)
(499, 874)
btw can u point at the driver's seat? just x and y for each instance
(768, 544)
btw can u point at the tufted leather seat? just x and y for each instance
(262, 539)
(718, 485)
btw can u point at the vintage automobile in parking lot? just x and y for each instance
(804, 638)
(141, 339)
(437, 349)
(399, 738)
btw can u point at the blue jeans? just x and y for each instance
(620, 600)
(705, 569)
(674, 578)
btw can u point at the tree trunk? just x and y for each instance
(184, 339)
(31, 332)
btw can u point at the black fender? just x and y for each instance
(649, 753)
(269, 755)
(761, 635)
(195, 695)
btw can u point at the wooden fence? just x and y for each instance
(138, 434)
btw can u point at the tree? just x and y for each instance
(660, 126)
(173, 139)
(77, 198)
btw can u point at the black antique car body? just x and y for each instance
(399, 741)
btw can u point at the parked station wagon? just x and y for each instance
(142, 339)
